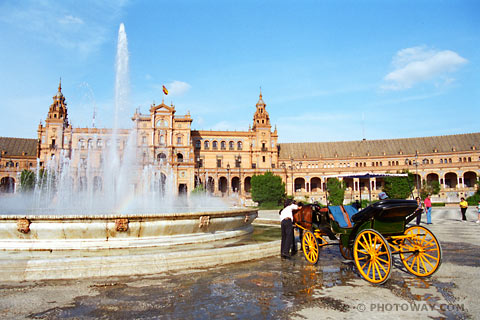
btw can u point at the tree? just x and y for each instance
(430, 187)
(399, 187)
(27, 180)
(475, 198)
(199, 189)
(336, 191)
(267, 189)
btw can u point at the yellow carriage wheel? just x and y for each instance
(420, 252)
(345, 251)
(372, 256)
(310, 247)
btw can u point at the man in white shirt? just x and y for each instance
(286, 218)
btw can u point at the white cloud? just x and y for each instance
(419, 64)
(177, 88)
(70, 20)
(67, 26)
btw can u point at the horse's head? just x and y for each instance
(303, 217)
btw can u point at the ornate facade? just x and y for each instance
(225, 161)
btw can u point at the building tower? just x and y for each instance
(52, 136)
(264, 141)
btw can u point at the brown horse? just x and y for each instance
(304, 217)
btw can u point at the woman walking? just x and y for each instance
(463, 208)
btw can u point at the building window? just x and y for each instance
(263, 158)
(254, 165)
(206, 145)
(214, 145)
(179, 140)
(198, 144)
(144, 140)
(219, 163)
(239, 145)
(231, 145)
(223, 145)
(99, 143)
(179, 157)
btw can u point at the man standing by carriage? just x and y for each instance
(286, 218)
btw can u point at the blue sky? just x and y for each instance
(329, 70)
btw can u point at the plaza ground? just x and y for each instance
(270, 288)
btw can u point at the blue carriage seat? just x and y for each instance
(343, 217)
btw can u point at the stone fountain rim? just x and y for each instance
(162, 216)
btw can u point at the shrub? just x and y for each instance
(336, 191)
(398, 187)
(27, 181)
(267, 188)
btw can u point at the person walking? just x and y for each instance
(419, 208)
(463, 208)
(428, 208)
(286, 218)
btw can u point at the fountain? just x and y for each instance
(123, 219)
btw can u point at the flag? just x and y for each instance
(165, 90)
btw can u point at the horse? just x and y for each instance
(304, 216)
(308, 215)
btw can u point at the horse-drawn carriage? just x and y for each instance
(371, 237)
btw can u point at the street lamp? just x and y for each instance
(239, 175)
(228, 178)
(415, 163)
(293, 178)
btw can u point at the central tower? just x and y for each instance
(264, 142)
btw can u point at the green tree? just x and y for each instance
(336, 191)
(473, 200)
(430, 187)
(399, 187)
(267, 189)
(27, 180)
(47, 179)
(199, 189)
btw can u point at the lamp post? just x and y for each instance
(239, 175)
(228, 179)
(415, 163)
(284, 167)
(293, 178)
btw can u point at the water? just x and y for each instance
(122, 183)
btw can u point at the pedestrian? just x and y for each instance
(286, 218)
(463, 208)
(419, 210)
(428, 208)
(478, 211)
(357, 205)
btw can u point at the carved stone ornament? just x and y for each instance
(23, 225)
(121, 224)
(204, 221)
(247, 218)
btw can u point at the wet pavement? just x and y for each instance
(270, 288)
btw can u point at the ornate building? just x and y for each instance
(225, 161)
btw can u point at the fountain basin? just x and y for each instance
(117, 231)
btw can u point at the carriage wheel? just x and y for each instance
(421, 253)
(345, 251)
(372, 256)
(310, 247)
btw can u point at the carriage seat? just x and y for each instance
(343, 215)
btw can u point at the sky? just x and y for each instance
(328, 70)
